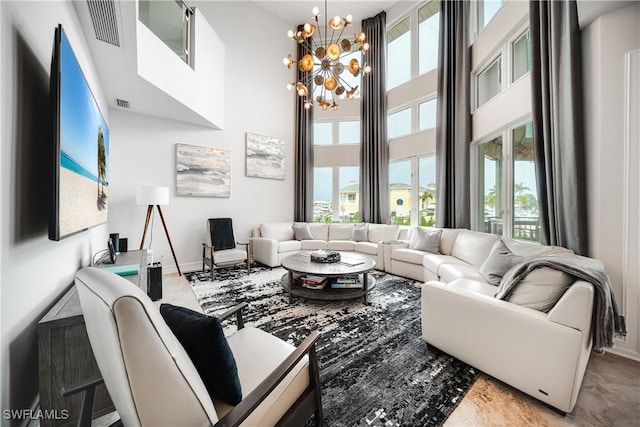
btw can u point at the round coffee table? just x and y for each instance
(351, 264)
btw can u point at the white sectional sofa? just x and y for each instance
(273, 241)
(538, 341)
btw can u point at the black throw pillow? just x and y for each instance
(205, 343)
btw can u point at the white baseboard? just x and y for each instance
(624, 350)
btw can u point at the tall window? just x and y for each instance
(526, 221)
(322, 133)
(399, 53)
(322, 194)
(428, 36)
(349, 132)
(427, 190)
(349, 194)
(399, 123)
(427, 114)
(507, 192)
(490, 198)
(400, 192)
(336, 194)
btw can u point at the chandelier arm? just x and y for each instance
(341, 32)
(343, 81)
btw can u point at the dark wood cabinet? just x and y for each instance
(65, 354)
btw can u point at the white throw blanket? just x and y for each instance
(606, 322)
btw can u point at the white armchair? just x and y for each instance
(152, 381)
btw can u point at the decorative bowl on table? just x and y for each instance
(325, 256)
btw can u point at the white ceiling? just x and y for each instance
(299, 12)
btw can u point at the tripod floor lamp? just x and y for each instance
(155, 196)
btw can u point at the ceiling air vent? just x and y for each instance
(105, 22)
(122, 103)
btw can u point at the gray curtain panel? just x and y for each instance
(453, 123)
(374, 151)
(556, 73)
(303, 203)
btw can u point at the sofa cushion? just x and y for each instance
(279, 231)
(319, 231)
(360, 233)
(312, 245)
(341, 245)
(433, 261)
(541, 289)
(301, 231)
(474, 286)
(448, 239)
(473, 247)
(411, 256)
(289, 246)
(340, 231)
(450, 272)
(366, 248)
(204, 341)
(383, 232)
(427, 240)
(499, 261)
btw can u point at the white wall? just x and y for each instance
(35, 270)
(612, 173)
(176, 78)
(256, 100)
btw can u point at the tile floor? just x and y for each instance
(610, 394)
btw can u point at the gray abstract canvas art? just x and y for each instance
(202, 171)
(265, 156)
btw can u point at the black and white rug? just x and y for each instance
(375, 369)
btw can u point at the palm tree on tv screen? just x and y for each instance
(102, 163)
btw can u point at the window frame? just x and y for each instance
(507, 184)
(512, 41)
(414, 214)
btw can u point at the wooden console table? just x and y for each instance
(65, 354)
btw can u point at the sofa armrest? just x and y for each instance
(515, 344)
(385, 248)
(265, 251)
(574, 308)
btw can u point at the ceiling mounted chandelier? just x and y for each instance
(324, 60)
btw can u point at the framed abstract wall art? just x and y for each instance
(265, 156)
(202, 171)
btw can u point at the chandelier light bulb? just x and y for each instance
(367, 69)
(290, 86)
(290, 34)
(348, 19)
(315, 11)
(365, 47)
(288, 61)
(335, 23)
(360, 37)
(307, 105)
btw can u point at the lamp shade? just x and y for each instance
(153, 196)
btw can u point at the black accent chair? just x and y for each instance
(221, 249)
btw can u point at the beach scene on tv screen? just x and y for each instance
(84, 150)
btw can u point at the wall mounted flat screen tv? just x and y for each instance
(81, 147)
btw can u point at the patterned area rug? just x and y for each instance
(375, 369)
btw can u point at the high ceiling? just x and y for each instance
(299, 12)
